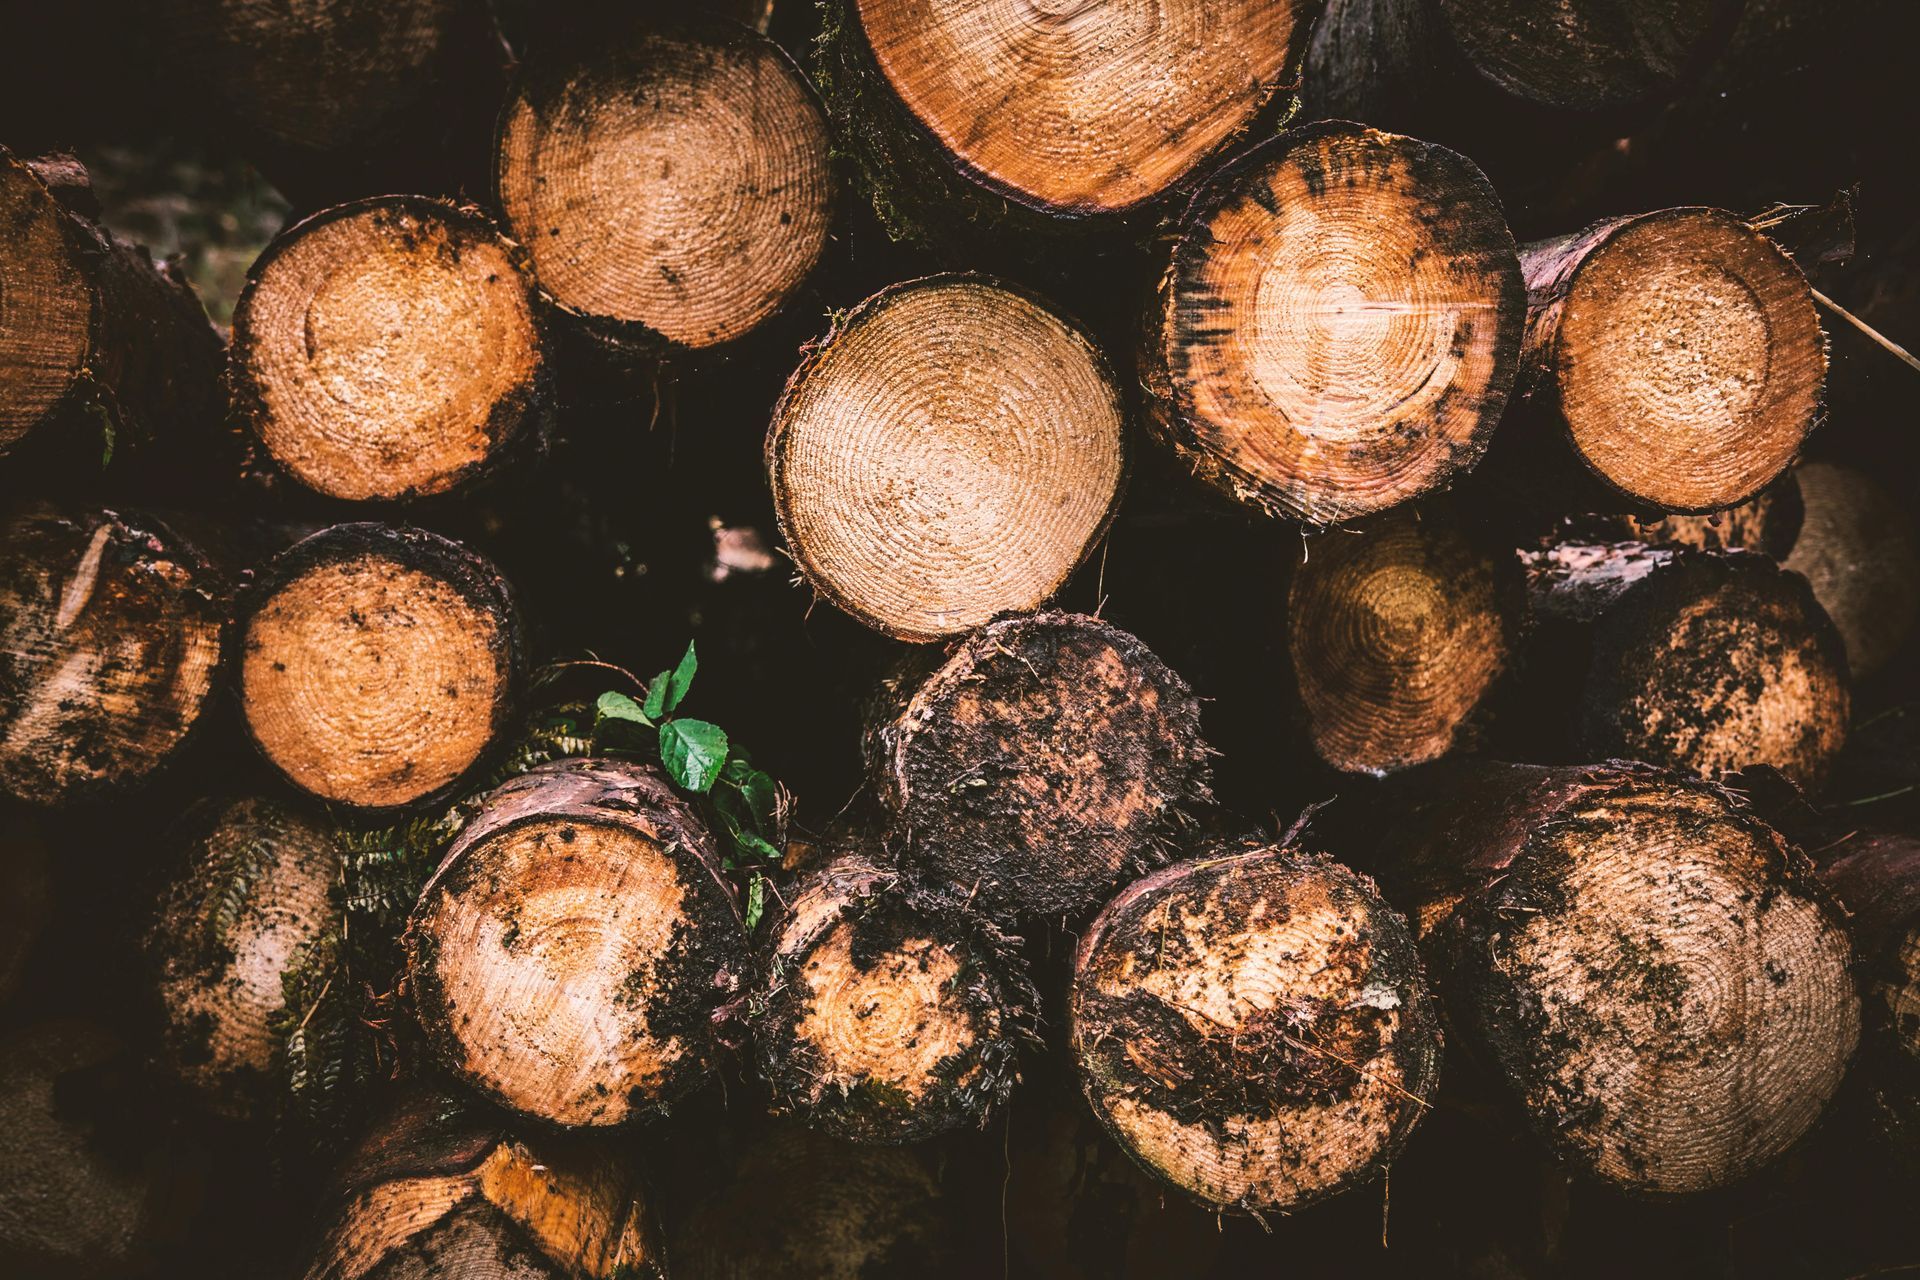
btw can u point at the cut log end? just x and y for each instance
(378, 663)
(885, 1016)
(1709, 662)
(567, 957)
(952, 451)
(671, 185)
(1041, 765)
(1061, 128)
(1251, 1025)
(255, 896)
(1397, 635)
(1860, 551)
(1662, 984)
(47, 303)
(1586, 55)
(387, 349)
(1341, 324)
(1688, 358)
(110, 633)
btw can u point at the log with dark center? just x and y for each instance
(253, 898)
(671, 184)
(1657, 977)
(437, 1191)
(1398, 633)
(1252, 1027)
(999, 107)
(1699, 660)
(883, 1014)
(1040, 766)
(378, 664)
(1677, 354)
(1340, 326)
(90, 329)
(1859, 549)
(569, 955)
(950, 451)
(388, 349)
(110, 638)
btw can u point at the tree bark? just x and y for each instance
(568, 957)
(1399, 633)
(389, 349)
(1697, 660)
(1047, 760)
(254, 896)
(378, 664)
(110, 641)
(438, 1191)
(102, 352)
(1655, 976)
(882, 1014)
(1322, 385)
(1673, 362)
(1252, 1027)
(723, 203)
(951, 450)
(1769, 523)
(1859, 550)
(26, 893)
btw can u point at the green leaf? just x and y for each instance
(762, 795)
(656, 706)
(682, 678)
(755, 845)
(756, 899)
(618, 706)
(693, 751)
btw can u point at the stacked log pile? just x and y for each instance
(869, 638)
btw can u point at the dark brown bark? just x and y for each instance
(1768, 523)
(1629, 952)
(1251, 1025)
(102, 352)
(882, 1013)
(570, 954)
(379, 663)
(26, 892)
(1860, 551)
(1705, 661)
(1047, 760)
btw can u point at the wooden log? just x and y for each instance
(1251, 1025)
(1399, 632)
(110, 640)
(1653, 974)
(986, 116)
(882, 1014)
(1340, 325)
(438, 1191)
(26, 893)
(1769, 523)
(1859, 550)
(92, 1187)
(672, 185)
(569, 954)
(1675, 357)
(255, 893)
(389, 349)
(378, 663)
(1049, 759)
(951, 450)
(101, 350)
(1589, 54)
(1697, 660)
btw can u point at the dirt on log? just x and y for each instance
(1047, 760)
(1656, 977)
(1339, 328)
(436, 1190)
(110, 640)
(569, 955)
(1251, 1026)
(378, 663)
(883, 1014)
(951, 450)
(388, 349)
(1707, 661)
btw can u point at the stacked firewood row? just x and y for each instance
(471, 936)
